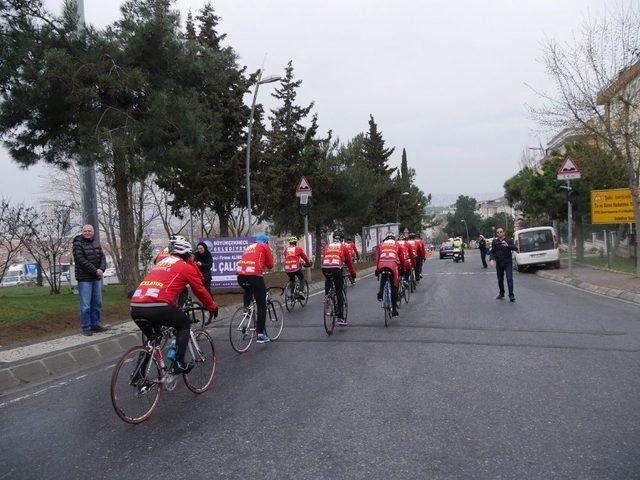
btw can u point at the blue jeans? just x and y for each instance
(90, 303)
(501, 269)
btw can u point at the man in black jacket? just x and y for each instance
(501, 249)
(482, 246)
(90, 264)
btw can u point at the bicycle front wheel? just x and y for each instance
(136, 386)
(202, 353)
(242, 329)
(345, 305)
(275, 319)
(406, 293)
(329, 315)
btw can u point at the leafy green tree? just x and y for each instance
(465, 210)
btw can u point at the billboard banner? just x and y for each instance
(612, 206)
(226, 252)
(369, 239)
(384, 230)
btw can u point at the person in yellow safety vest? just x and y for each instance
(457, 245)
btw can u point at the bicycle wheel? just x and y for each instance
(242, 329)
(345, 305)
(289, 297)
(204, 356)
(136, 386)
(275, 319)
(386, 303)
(329, 314)
(406, 292)
(305, 293)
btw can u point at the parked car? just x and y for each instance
(110, 272)
(16, 280)
(536, 246)
(446, 250)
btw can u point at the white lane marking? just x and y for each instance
(45, 389)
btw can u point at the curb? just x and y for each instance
(590, 287)
(15, 376)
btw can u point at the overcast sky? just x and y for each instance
(443, 79)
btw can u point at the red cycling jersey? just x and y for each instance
(353, 250)
(255, 258)
(168, 278)
(421, 250)
(409, 258)
(293, 258)
(335, 255)
(390, 256)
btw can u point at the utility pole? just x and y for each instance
(87, 165)
(569, 171)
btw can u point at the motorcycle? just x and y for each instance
(457, 256)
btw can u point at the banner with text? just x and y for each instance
(611, 206)
(226, 252)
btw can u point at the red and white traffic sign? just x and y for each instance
(303, 187)
(569, 170)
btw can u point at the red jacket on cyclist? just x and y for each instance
(352, 249)
(390, 256)
(407, 253)
(334, 256)
(166, 281)
(337, 254)
(255, 258)
(294, 256)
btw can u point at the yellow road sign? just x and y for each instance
(611, 206)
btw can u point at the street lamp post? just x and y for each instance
(403, 194)
(260, 81)
(467, 229)
(89, 198)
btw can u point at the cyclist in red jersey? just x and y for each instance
(255, 258)
(352, 249)
(334, 256)
(390, 258)
(154, 302)
(409, 258)
(293, 258)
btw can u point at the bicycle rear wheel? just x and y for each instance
(406, 292)
(275, 319)
(203, 355)
(289, 298)
(386, 303)
(136, 386)
(242, 329)
(345, 305)
(329, 315)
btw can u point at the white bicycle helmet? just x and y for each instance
(180, 245)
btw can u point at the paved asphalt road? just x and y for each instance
(459, 386)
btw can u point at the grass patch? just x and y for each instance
(22, 304)
(620, 264)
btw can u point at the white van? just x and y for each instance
(536, 246)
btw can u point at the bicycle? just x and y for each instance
(346, 276)
(291, 298)
(330, 307)
(404, 290)
(141, 374)
(412, 280)
(195, 311)
(387, 301)
(242, 327)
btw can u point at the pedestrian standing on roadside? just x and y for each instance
(501, 249)
(204, 260)
(482, 246)
(90, 264)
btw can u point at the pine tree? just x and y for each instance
(376, 155)
(190, 27)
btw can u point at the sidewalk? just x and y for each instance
(605, 282)
(39, 362)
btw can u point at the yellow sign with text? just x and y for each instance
(611, 206)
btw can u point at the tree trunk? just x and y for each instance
(224, 221)
(579, 238)
(318, 236)
(39, 274)
(130, 273)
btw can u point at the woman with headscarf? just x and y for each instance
(203, 259)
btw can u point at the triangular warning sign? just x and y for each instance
(303, 186)
(569, 166)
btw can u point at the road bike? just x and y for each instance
(404, 290)
(387, 301)
(296, 295)
(346, 276)
(195, 311)
(242, 327)
(330, 307)
(142, 374)
(412, 280)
